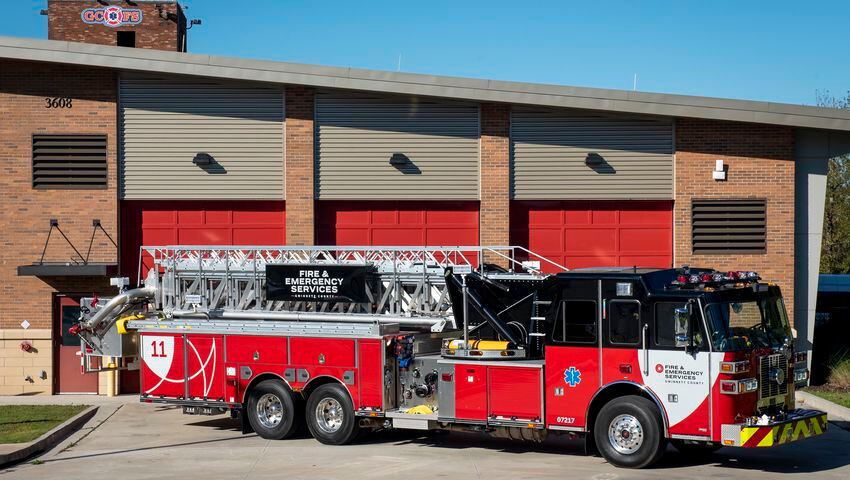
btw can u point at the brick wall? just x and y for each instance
(299, 164)
(64, 22)
(495, 175)
(23, 89)
(760, 165)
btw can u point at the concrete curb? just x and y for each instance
(833, 411)
(50, 439)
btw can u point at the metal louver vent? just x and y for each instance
(69, 161)
(729, 226)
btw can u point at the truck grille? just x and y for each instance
(768, 387)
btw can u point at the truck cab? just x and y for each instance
(706, 358)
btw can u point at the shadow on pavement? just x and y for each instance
(810, 456)
(219, 423)
(142, 449)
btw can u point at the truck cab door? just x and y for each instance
(624, 327)
(572, 355)
(680, 378)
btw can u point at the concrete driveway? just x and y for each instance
(147, 442)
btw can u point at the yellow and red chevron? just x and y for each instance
(756, 436)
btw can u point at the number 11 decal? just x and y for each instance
(161, 349)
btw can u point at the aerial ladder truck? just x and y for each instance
(496, 340)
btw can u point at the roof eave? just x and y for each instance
(153, 61)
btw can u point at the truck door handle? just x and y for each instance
(645, 350)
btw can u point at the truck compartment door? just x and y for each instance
(471, 392)
(205, 366)
(163, 365)
(515, 393)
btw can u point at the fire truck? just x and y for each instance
(498, 340)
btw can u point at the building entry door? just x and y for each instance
(68, 376)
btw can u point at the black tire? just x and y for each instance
(640, 440)
(271, 410)
(330, 415)
(695, 449)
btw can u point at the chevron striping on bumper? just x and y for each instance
(768, 436)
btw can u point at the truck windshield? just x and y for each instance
(747, 324)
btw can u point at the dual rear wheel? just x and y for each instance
(628, 431)
(275, 413)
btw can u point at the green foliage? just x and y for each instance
(841, 398)
(25, 423)
(839, 373)
(835, 252)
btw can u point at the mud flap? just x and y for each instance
(590, 445)
(243, 417)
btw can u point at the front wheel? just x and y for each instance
(330, 415)
(628, 432)
(271, 410)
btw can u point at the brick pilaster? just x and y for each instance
(760, 159)
(299, 163)
(495, 175)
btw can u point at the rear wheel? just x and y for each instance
(271, 410)
(628, 432)
(330, 415)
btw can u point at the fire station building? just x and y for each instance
(112, 137)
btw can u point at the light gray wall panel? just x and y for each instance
(549, 150)
(165, 122)
(357, 135)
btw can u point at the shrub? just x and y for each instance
(839, 372)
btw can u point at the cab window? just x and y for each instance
(576, 322)
(624, 322)
(665, 323)
(663, 331)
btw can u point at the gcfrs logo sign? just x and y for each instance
(112, 16)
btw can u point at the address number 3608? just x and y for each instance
(58, 102)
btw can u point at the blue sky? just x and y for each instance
(777, 50)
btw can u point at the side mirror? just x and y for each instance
(682, 326)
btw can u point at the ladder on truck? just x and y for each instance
(218, 289)
(410, 280)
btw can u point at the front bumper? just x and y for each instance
(800, 424)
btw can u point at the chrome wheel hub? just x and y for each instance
(625, 434)
(329, 415)
(270, 410)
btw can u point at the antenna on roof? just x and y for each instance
(634, 83)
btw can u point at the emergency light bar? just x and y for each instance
(687, 279)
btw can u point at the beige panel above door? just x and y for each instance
(374, 147)
(574, 154)
(168, 121)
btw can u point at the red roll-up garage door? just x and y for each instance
(177, 222)
(198, 223)
(402, 223)
(580, 234)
